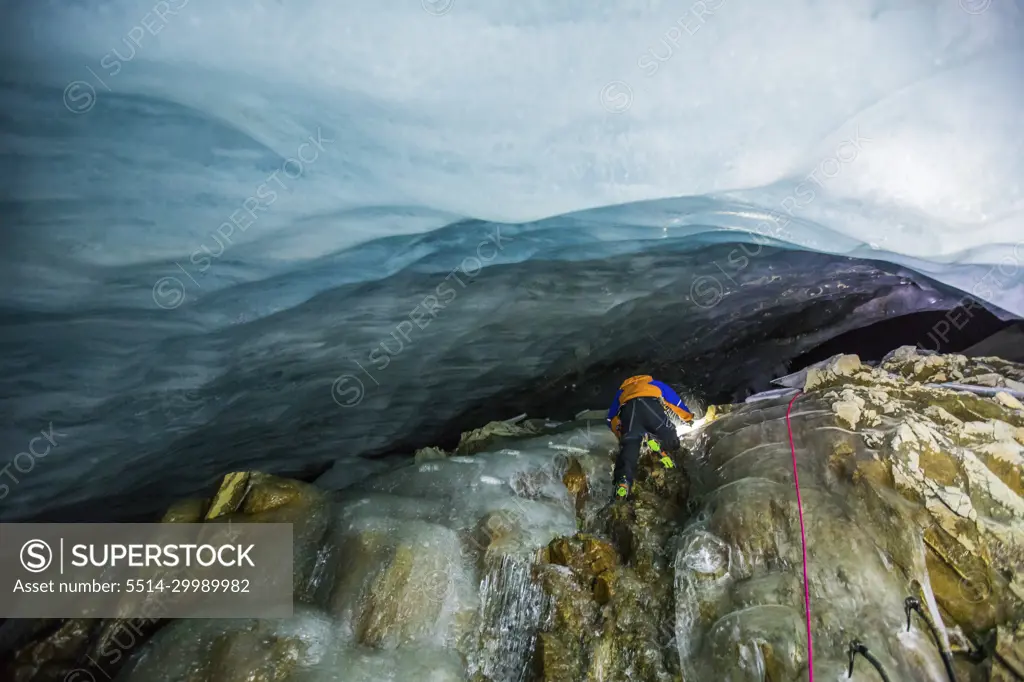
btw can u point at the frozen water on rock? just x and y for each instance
(705, 554)
(400, 665)
(187, 645)
(919, 647)
(434, 568)
(427, 562)
(511, 606)
(533, 475)
(475, 523)
(741, 557)
(430, 580)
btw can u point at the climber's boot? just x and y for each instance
(622, 491)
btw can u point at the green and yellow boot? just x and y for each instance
(622, 490)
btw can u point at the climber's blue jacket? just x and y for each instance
(644, 386)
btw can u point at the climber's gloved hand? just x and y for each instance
(666, 460)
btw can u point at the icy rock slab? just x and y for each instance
(746, 556)
(420, 573)
(515, 496)
(907, 490)
(438, 554)
(256, 497)
(401, 582)
(228, 650)
(759, 643)
(309, 647)
(424, 571)
(511, 608)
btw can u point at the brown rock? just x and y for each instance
(963, 585)
(429, 455)
(248, 656)
(556, 659)
(57, 646)
(604, 587)
(831, 372)
(1008, 665)
(270, 492)
(600, 555)
(478, 440)
(186, 511)
(498, 532)
(1009, 401)
(229, 496)
(586, 554)
(575, 480)
(940, 467)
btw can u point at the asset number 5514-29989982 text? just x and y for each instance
(182, 585)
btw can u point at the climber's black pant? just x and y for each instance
(641, 416)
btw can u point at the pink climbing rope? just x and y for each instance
(803, 541)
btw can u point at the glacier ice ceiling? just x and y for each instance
(283, 235)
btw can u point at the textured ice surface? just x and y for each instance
(305, 648)
(458, 493)
(288, 391)
(185, 645)
(739, 589)
(510, 613)
(429, 577)
(131, 135)
(430, 111)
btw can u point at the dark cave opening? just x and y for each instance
(948, 331)
(559, 396)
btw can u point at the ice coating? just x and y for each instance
(507, 564)
(429, 577)
(894, 132)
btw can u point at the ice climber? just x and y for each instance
(641, 407)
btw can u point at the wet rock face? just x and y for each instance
(55, 650)
(1008, 663)
(610, 589)
(504, 566)
(958, 456)
(909, 363)
(907, 490)
(505, 561)
(101, 647)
